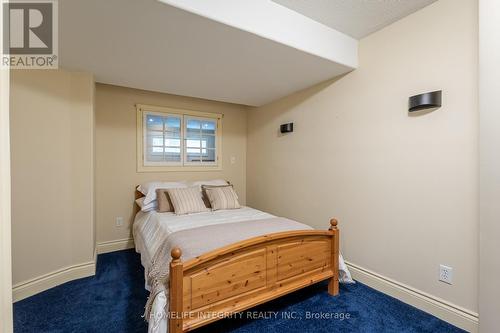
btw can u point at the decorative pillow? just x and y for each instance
(214, 182)
(148, 207)
(203, 183)
(187, 200)
(206, 200)
(163, 199)
(222, 197)
(149, 189)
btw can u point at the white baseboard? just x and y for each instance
(454, 314)
(116, 245)
(50, 280)
(34, 286)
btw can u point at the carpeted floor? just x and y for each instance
(113, 301)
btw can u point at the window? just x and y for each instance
(201, 136)
(170, 139)
(162, 139)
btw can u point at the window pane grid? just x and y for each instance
(163, 138)
(180, 139)
(200, 142)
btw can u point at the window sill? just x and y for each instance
(207, 168)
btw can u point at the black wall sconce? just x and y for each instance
(425, 101)
(286, 128)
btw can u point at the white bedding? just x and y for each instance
(151, 228)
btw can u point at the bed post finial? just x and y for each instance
(176, 253)
(333, 283)
(175, 323)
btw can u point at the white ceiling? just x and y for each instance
(356, 18)
(150, 45)
(249, 52)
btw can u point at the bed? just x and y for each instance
(206, 266)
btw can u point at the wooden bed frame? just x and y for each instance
(234, 278)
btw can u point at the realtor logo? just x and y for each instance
(30, 34)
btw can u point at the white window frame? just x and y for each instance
(144, 166)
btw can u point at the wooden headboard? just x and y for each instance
(138, 194)
(136, 206)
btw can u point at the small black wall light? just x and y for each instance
(286, 128)
(425, 101)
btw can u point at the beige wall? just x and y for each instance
(5, 213)
(489, 67)
(404, 187)
(52, 171)
(116, 174)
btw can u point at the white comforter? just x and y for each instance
(151, 229)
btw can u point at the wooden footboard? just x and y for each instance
(245, 274)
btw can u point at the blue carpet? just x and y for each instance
(113, 301)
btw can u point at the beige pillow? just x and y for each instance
(187, 200)
(222, 197)
(209, 183)
(164, 203)
(204, 193)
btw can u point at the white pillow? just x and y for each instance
(146, 208)
(149, 189)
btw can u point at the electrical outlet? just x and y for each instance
(445, 274)
(233, 160)
(119, 221)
